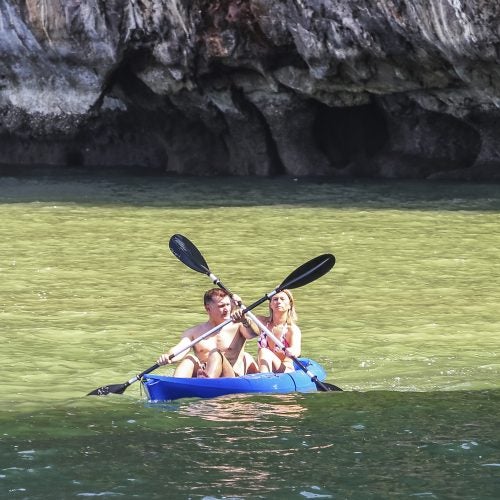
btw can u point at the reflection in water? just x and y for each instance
(241, 408)
(246, 444)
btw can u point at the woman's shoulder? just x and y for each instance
(263, 319)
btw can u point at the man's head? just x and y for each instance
(214, 294)
(217, 304)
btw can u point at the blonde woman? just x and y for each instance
(282, 323)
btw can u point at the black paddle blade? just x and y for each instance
(109, 389)
(188, 254)
(324, 387)
(310, 271)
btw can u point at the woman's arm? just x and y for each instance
(294, 341)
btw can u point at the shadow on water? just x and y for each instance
(146, 188)
(324, 445)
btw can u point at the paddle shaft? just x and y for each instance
(140, 375)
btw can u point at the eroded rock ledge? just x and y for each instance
(386, 88)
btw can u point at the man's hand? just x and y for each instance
(164, 359)
(237, 316)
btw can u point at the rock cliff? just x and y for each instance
(375, 88)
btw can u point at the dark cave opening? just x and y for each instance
(347, 134)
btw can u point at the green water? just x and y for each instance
(407, 322)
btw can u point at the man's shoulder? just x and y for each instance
(197, 330)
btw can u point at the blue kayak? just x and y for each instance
(163, 388)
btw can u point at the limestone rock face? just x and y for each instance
(373, 88)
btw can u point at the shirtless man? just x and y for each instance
(221, 354)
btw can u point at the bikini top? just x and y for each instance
(262, 341)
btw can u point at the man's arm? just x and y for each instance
(247, 328)
(182, 345)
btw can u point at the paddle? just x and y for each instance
(191, 257)
(188, 254)
(120, 388)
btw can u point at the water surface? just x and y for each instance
(406, 322)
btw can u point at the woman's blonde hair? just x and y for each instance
(291, 315)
